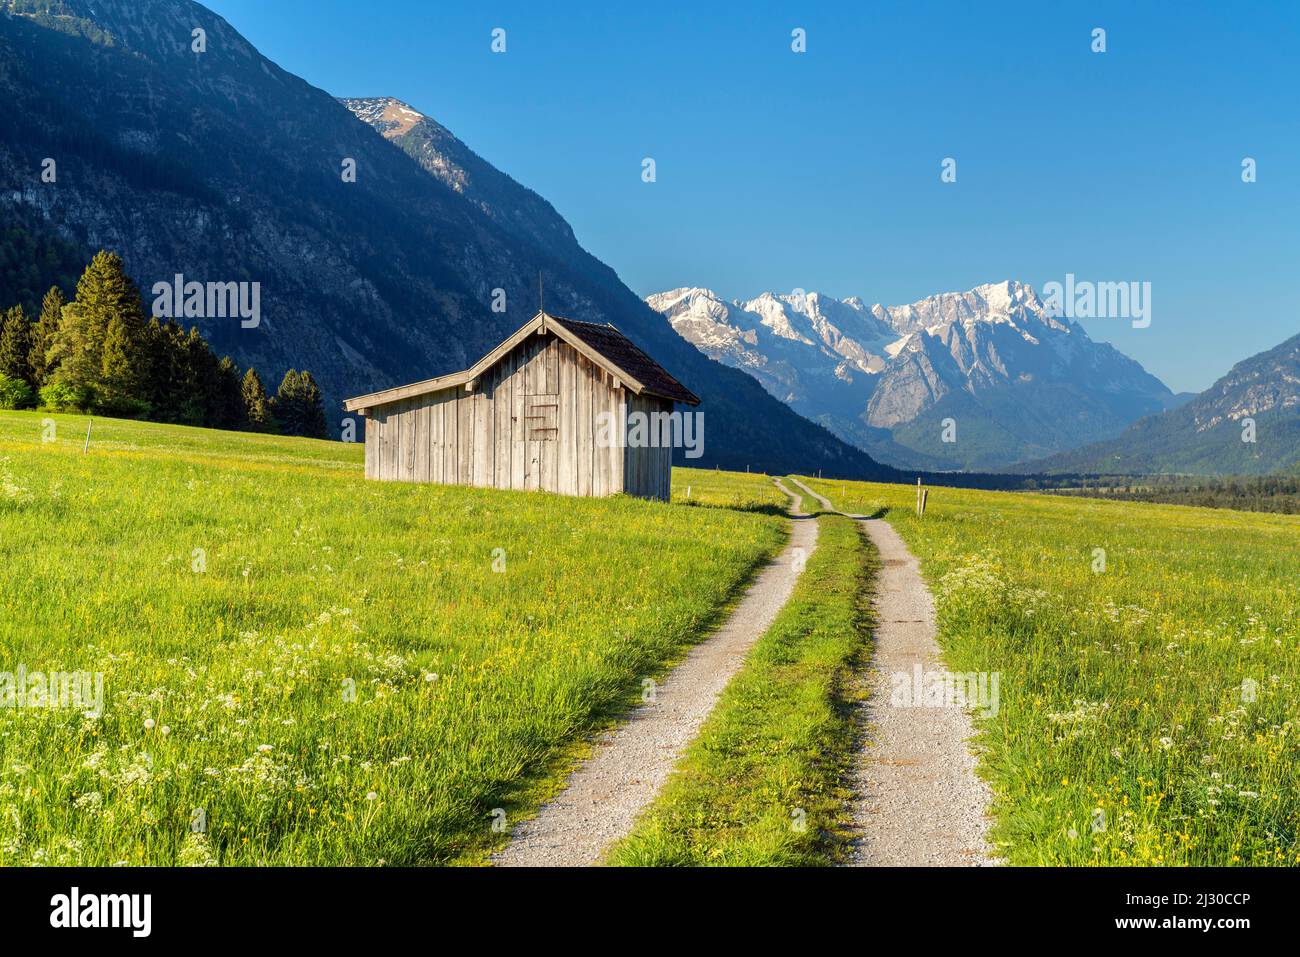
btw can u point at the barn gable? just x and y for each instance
(528, 416)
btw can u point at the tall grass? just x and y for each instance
(738, 490)
(302, 667)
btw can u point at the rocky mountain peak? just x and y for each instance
(987, 353)
(387, 114)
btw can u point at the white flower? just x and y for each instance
(1166, 743)
(166, 730)
(371, 796)
(148, 724)
(265, 748)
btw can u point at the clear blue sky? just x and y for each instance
(820, 170)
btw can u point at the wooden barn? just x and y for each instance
(537, 412)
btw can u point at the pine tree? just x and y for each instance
(197, 385)
(256, 407)
(104, 291)
(156, 371)
(105, 294)
(43, 333)
(287, 404)
(298, 407)
(230, 397)
(120, 368)
(312, 408)
(15, 345)
(73, 354)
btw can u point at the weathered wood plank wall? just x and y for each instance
(647, 468)
(531, 422)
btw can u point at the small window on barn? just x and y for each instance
(542, 418)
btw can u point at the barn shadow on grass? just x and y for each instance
(753, 508)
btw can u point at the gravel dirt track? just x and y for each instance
(602, 798)
(918, 800)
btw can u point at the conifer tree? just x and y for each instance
(312, 407)
(256, 407)
(196, 387)
(73, 354)
(15, 344)
(157, 374)
(120, 374)
(230, 397)
(105, 293)
(298, 407)
(43, 333)
(287, 404)
(105, 290)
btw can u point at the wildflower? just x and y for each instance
(371, 796)
(148, 724)
(264, 748)
(196, 852)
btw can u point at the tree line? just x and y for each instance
(99, 353)
(1268, 493)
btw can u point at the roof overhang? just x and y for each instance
(539, 324)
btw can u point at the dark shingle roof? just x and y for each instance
(629, 357)
(610, 346)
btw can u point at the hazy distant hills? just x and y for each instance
(221, 166)
(1015, 381)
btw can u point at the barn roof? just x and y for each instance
(627, 355)
(602, 344)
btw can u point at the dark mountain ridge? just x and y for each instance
(220, 166)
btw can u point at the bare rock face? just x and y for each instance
(1266, 383)
(1016, 380)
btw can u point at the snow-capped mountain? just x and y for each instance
(1013, 378)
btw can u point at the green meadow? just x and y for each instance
(302, 667)
(1149, 663)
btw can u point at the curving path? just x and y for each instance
(919, 801)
